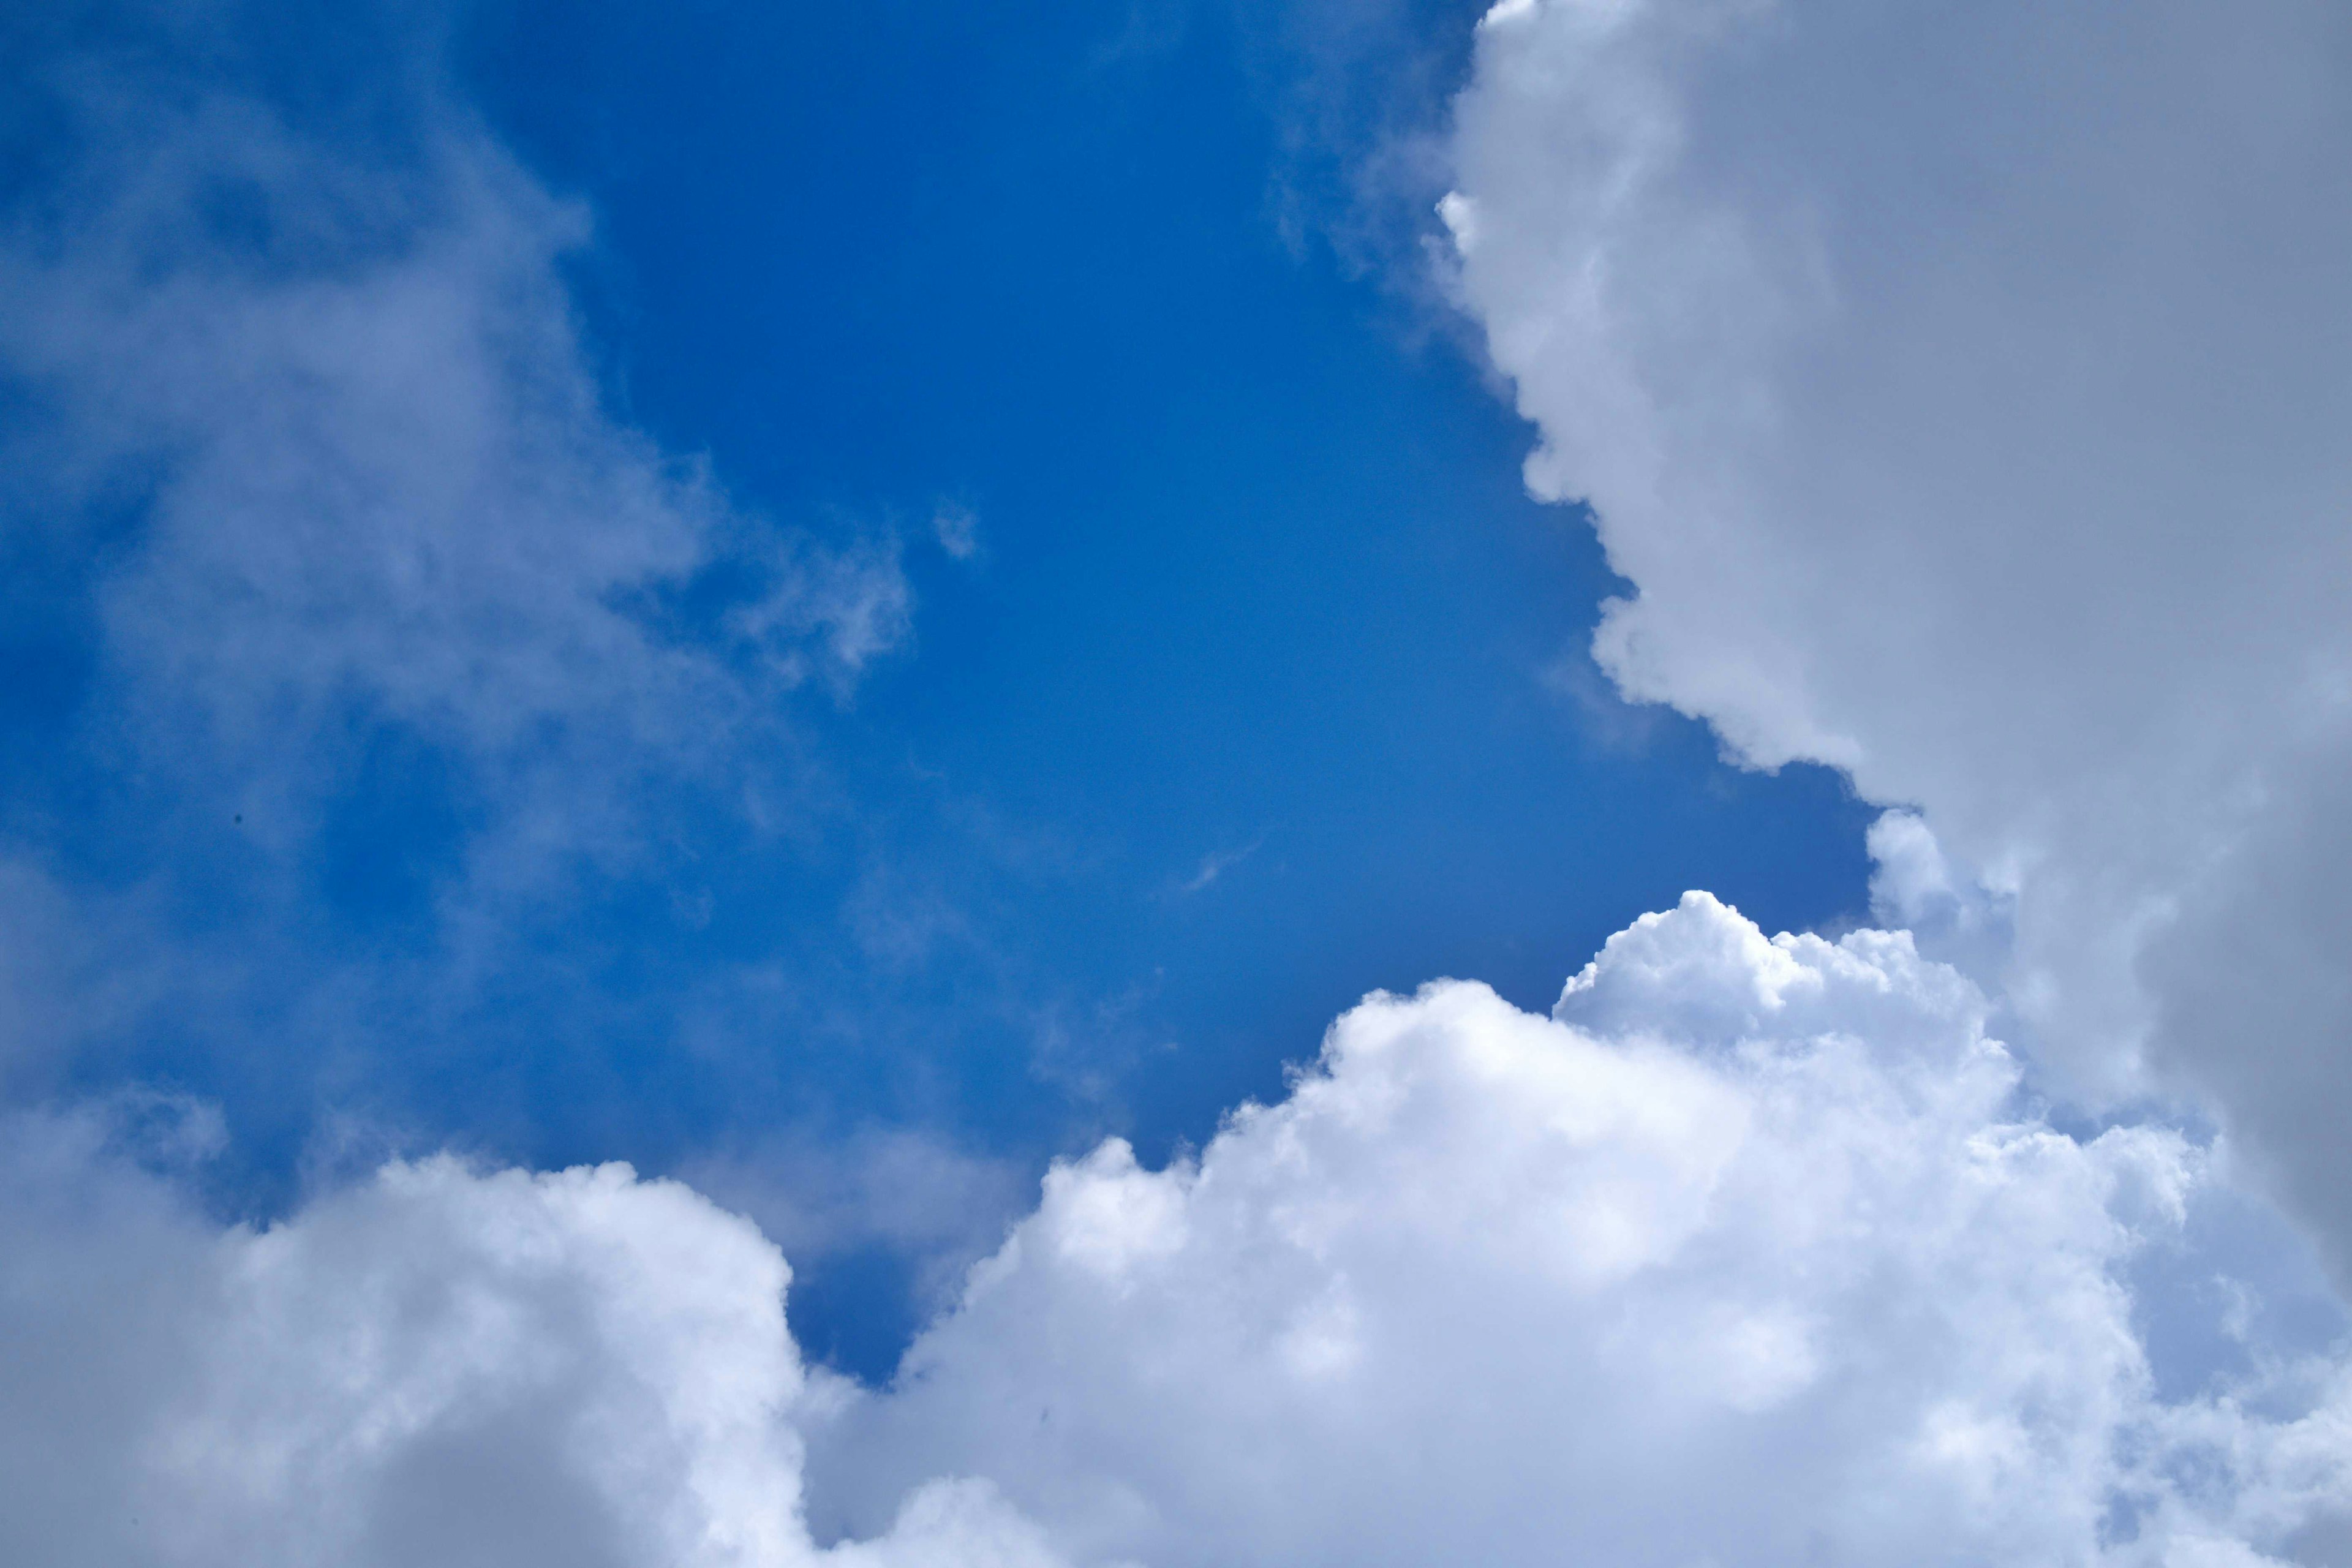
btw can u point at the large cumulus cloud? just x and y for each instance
(1961, 388)
(1748, 1255)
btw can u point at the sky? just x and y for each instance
(1175, 784)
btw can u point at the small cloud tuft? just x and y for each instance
(957, 528)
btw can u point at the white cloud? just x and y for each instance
(438, 1366)
(1746, 1257)
(1216, 863)
(376, 485)
(957, 528)
(304, 450)
(1962, 389)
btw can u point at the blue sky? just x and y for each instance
(1254, 590)
(789, 785)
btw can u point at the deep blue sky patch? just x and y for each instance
(1252, 686)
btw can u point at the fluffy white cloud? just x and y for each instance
(438, 1366)
(1745, 1257)
(1962, 389)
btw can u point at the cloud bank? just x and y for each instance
(1962, 390)
(1746, 1255)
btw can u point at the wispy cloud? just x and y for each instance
(377, 487)
(1216, 863)
(302, 424)
(957, 529)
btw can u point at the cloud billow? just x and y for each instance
(439, 1365)
(1962, 390)
(1745, 1256)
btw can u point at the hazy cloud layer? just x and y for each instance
(373, 488)
(1962, 389)
(372, 607)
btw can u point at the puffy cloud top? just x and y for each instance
(1699, 1271)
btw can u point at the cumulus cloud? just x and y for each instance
(1961, 389)
(1746, 1255)
(440, 1365)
